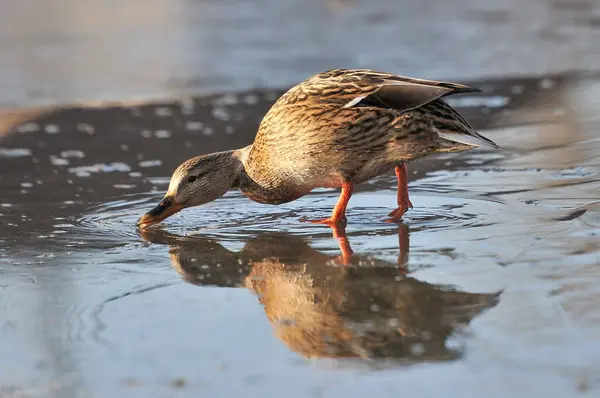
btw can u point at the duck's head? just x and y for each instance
(196, 181)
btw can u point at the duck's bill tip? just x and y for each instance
(166, 208)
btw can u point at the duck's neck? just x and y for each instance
(258, 190)
(243, 181)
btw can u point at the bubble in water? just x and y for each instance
(229, 129)
(162, 134)
(28, 128)
(135, 174)
(124, 186)
(160, 181)
(26, 184)
(124, 147)
(150, 163)
(86, 128)
(56, 161)
(194, 126)
(52, 129)
(72, 153)
(146, 133)
(6, 205)
(221, 114)
(14, 152)
(84, 171)
(208, 131)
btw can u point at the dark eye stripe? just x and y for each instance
(194, 178)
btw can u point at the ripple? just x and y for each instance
(113, 221)
(234, 217)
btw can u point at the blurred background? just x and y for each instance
(62, 51)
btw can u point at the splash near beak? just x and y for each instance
(166, 208)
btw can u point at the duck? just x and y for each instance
(336, 129)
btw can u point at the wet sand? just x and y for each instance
(489, 285)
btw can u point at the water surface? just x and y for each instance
(491, 277)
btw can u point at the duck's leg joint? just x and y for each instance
(339, 211)
(403, 200)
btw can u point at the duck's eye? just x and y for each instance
(192, 178)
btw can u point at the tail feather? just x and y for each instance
(453, 127)
(469, 139)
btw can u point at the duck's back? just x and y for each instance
(352, 125)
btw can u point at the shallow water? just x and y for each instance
(491, 277)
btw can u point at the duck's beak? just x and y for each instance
(166, 208)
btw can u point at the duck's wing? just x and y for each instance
(332, 91)
(402, 94)
(363, 87)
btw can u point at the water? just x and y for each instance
(489, 284)
(494, 271)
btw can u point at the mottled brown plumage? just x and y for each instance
(336, 129)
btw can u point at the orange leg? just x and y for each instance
(403, 201)
(339, 211)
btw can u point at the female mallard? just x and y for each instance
(336, 129)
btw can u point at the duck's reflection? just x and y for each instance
(368, 309)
